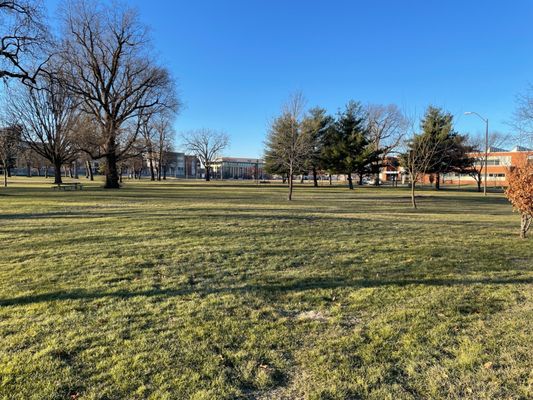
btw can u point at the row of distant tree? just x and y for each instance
(359, 140)
(355, 141)
(94, 91)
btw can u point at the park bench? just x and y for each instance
(68, 186)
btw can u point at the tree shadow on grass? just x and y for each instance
(45, 215)
(260, 288)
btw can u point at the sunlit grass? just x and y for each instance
(181, 290)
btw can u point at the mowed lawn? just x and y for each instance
(183, 290)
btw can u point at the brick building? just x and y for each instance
(499, 161)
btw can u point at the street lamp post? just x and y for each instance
(486, 120)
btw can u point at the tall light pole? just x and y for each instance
(486, 120)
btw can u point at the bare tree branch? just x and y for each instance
(24, 40)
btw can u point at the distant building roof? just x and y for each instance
(494, 149)
(239, 160)
(521, 148)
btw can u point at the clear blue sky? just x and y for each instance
(236, 61)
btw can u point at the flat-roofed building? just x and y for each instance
(238, 168)
(499, 162)
(175, 165)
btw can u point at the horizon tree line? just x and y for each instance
(98, 90)
(359, 140)
(356, 141)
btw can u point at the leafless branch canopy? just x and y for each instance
(48, 118)
(422, 156)
(107, 63)
(206, 144)
(287, 146)
(108, 66)
(23, 40)
(523, 117)
(387, 126)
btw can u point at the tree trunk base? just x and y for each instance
(525, 224)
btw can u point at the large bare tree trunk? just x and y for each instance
(330, 180)
(89, 169)
(152, 170)
(207, 174)
(160, 162)
(111, 168)
(111, 172)
(57, 173)
(315, 181)
(350, 182)
(5, 174)
(437, 181)
(413, 196)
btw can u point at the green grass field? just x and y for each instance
(227, 291)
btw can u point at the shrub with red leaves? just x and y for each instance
(520, 194)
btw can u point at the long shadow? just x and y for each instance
(265, 289)
(54, 214)
(240, 213)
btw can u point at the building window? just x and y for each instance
(494, 161)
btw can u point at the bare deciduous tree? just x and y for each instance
(108, 63)
(31, 160)
(422, 154)
(207, 145)
(48, 117)
(523, 117)
(387, 126)
(165, 137)
(157, 138)
(23, 39)
(287, 145)
(477, 144)
(148, 133)
(9, 148)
